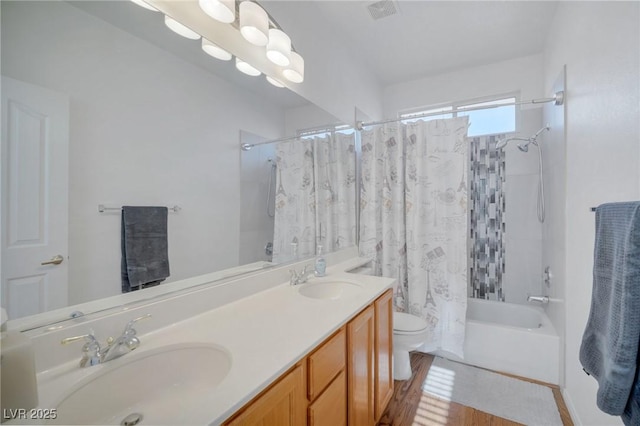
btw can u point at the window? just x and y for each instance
(493, 120)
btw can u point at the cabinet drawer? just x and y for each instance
(330, 409)
(325, 363)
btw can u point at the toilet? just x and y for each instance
(409, 333)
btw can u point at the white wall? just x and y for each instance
(308, 117)
(599, 43)
(523, 237)
(146, 128)
(517, 75)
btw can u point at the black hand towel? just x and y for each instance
(145, 258)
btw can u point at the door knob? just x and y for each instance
(55, 260)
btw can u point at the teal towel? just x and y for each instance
(609, 350)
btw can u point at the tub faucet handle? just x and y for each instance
(540, 299)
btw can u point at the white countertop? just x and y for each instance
(265, 334)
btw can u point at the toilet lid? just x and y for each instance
(407, 322)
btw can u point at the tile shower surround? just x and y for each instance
(486, 214)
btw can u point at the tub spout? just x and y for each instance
(540, 299)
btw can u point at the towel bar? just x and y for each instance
(102, 208)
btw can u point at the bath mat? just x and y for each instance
(502, 396)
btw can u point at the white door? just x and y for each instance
(35, 147)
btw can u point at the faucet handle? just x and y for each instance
(88, 338)
(129, 327)
(294, 278)
(90, 349)
(129, 330)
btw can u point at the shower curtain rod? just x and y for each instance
(303, 133)
(557, 98)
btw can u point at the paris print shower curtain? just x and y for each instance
(414, 220)
(315, 196)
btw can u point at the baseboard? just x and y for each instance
(572, 410)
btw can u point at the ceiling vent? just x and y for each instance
(382, 9)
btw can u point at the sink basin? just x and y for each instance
(160, 385)
(331, 290)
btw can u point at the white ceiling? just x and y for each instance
(432, 37)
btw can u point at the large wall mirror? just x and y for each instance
(146, 118)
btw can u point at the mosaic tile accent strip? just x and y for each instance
(487, 227)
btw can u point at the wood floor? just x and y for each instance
(410, 406)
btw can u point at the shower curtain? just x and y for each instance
(315, 196)
(414, 220)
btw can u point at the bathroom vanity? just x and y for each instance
(246, 350)
(346, 380)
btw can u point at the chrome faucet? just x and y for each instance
(125, 343)
(540, 299)
(93, 353)
(300, 278)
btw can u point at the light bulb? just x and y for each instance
(279, 47)
(295, 71)
(254, 23)
(246, 68)
(180, 29)
(220, 10)
(275, 82)
(215, 50)
(144, 4)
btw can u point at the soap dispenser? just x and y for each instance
(321, 263)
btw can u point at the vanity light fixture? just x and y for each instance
(144, 4)
(295, 71)
(220, 10)
(180, 29)
(216, 51)
(275, 82)
(254, 23)
(246, 68)
(255, 26)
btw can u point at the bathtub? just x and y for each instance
(511, 338)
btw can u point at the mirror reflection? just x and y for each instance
(300, 193)
(104, 106)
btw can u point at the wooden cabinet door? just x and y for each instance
(360, 371)
(283, 404)
(383, 352)
(330, 409)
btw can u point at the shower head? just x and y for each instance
(246, 146)
(524, 147)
